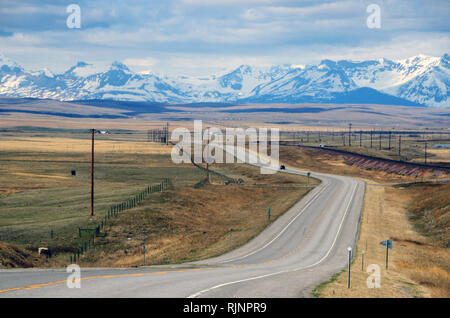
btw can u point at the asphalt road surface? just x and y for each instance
(301, 249)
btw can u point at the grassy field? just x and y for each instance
(40, 195)
(414, 214)
(418, 264)
(42, 204)
(412, 145)
(285, 116)
(185, 223)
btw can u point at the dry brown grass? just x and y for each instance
(327, 163)
(430, 211)
(187, 224)
(72, 145)
(178, 225)
(419, 265)
(436, 156)
(13, 255)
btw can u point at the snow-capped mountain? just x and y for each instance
(416, 80)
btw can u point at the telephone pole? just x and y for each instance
(360, 138)
(389, 147)
(371, 133)
(425, 152)
(92, 174)
(167, 133)
(349, 134)
(380, 140)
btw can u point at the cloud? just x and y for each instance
(141, 64)
(221, 33)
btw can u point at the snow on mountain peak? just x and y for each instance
(420, 79)
(82, 69)
(118, 66)
(43, 72)
(419, 61)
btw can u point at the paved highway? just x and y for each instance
(302, 248)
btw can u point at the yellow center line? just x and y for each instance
(36, 286)
(305, 239)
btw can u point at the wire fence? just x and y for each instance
(87, 235)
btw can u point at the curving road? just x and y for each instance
(302, 248)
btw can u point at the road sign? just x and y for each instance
(388, 242)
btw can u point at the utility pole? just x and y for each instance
(380, 140)
(389, 147)
(371, 133)
(425, 152)
(167, 133)
(399, 147)
(92, 174)
(349, 134)
(360, 138)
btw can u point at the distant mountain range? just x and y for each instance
(416, 81)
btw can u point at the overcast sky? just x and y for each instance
(198, 37)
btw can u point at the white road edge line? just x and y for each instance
(286, 271)
(282, 231)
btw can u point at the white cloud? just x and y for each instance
(205, 36)
(228, 2)
(141, 64)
